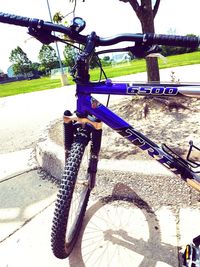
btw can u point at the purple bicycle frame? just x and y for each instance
(87, 104)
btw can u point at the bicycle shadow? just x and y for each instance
(133, 242)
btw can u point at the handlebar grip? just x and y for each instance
(14, 19)
(172, 40)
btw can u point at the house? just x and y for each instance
(120, 57)
(11, 74)
(30, 75)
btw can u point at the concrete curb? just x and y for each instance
(50, 157)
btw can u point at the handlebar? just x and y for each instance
(153, 39)
(147, 38)
(40, 25)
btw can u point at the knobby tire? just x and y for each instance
(65, 235)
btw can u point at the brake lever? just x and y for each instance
(44, 36)
(141, 51)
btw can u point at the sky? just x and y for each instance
(106, 17)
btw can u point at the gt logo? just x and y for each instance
(155, 90)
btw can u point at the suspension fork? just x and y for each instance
(94, 155)
(70, 123)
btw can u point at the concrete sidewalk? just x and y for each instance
(131, 234)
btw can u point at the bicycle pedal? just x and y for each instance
(191, 256)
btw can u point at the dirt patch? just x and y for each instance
(174, 126)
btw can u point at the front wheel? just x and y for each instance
(72, 198)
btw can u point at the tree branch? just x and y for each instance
(134, 3)
(155, 9)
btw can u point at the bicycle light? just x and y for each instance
(78, 24)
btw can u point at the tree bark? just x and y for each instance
(146, 15)
(153, 74)
(147, 22)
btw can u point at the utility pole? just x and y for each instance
(62, 74)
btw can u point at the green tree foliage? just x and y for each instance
(21, 63)
(93, 62)
(35, 66)
(58, 17)
(48, 59)
(106, 61)
(70, 54)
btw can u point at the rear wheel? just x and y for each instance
(72, 198)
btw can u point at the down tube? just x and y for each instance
(92, 106)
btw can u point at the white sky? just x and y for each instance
(106, 17)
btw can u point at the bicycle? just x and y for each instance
(83, 129)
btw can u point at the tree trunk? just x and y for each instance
(152, 70)
(146, 17)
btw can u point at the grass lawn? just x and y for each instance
(139, 65)
(27, 86)
(135, 66)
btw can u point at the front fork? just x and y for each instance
(93, 128)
